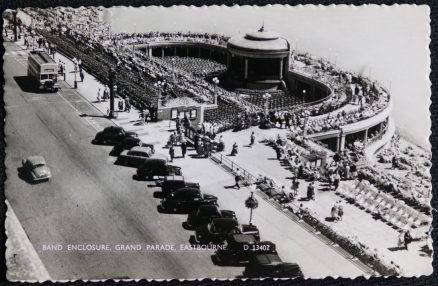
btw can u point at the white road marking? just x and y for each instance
(87, 119)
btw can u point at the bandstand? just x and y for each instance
(257, 60)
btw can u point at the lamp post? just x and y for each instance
(266, 97)
(112, 74)
(75, 71)
(14, 15)
(216, 83)
(304, 96)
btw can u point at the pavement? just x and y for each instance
(91, 199)
(377, 235)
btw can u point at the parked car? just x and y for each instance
(219, 228)
(186, 200)
(128, 143)
(270, 265)
(137, 156)
(156, 168)
(172, 183)
(205, 214)
(112, 135)
(238, 248)
(36, 168)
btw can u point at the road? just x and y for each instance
(92, 200)
(89, 199)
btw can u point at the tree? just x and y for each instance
(252, 204)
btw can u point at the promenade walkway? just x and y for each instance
(356, 223)
(293, 242)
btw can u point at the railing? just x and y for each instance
(248, 178)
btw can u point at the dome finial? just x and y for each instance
(262, 28)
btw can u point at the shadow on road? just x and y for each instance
(25, 176)
(26, 84)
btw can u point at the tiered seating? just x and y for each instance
(226, 114)
(390, 210)
(197, 66)
(279, 99)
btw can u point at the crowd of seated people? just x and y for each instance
(197, 66)
(124, 39)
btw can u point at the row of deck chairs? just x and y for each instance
(390, 210)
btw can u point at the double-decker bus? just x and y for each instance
(43, 69)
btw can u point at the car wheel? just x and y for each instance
(175, 210)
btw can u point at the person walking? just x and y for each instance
(171, 153)
(98, 96)
(311, 192)
(334, 212)
(407, 239)
(127, 105)
(237, 179)
(81, 75)
(252, 139)
(184, 147)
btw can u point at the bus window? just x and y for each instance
(52, 76)
(44, 76)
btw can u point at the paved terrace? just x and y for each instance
(294, 243)
(356, 223)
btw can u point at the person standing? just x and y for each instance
(252, 138)
(184, 147)
(171, 153)
(237, 179)
(407, 238)
(337, 179)
(81, 75)
(340, 212)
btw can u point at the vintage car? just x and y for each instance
(36, 168)
(137, 156)
(186, 200)
(112, 135)
(172, 183)
(270, 265)
(219, 228)
(128, 143)
(238, 248)
(156, 168)
(205, 214)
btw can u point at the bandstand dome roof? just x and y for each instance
(260, 40)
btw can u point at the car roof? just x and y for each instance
(267, 259)
(152, 161)
(158, 155)
(36, 160)
(208, 208)
(242, 238)
(188, 190)
(113, 128)
(173, 178)
(128, 139)
(227, 223)
(141, 149)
